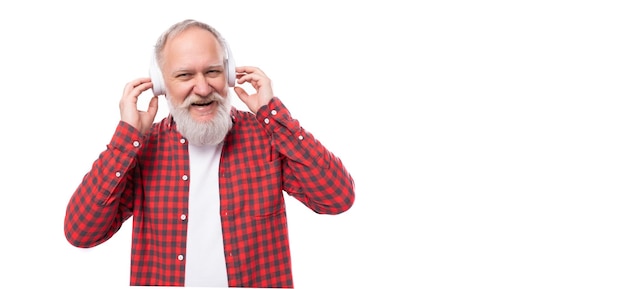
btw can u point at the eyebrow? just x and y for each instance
(182, 69)
(209, 66)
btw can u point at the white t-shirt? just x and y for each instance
(205, 261)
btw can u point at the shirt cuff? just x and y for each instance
(277, 118)
(126, 138)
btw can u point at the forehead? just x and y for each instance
(193, 42)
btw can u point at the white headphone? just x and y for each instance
(158, 84)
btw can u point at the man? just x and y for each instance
(205, 184)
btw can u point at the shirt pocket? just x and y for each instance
(262, 194)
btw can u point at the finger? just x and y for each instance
(133, 89)
(153, 106)
(241, 93)
(249, 69)
(136, 82)
(250, 77)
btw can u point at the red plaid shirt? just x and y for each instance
(147, 178)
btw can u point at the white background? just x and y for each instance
(486, 138)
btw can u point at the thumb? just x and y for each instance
(153, 106)
(241, 93)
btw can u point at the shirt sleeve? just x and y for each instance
(103, 200)
(311, 173)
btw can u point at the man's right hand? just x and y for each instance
(141, 120)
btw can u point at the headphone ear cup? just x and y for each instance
(230, 67)
(158, 85)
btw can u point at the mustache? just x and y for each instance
(202, 99)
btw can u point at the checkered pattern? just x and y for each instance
(264, 155)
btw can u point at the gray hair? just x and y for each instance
(180, 27)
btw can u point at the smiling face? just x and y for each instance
(193, 67)
(195, 80)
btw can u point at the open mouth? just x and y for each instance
(205, 103)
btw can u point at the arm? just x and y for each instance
(103, 200)
(311, 173)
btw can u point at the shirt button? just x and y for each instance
(273, 112)
(267, 120)
(300, 137)
(118, 174)
(185, 177)
(136, 144)
(182, 140)
(180, 257)
(183, 217)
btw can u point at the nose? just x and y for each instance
(201, 86)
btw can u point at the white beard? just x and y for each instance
(202, 133)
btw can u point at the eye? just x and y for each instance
(213, 72)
